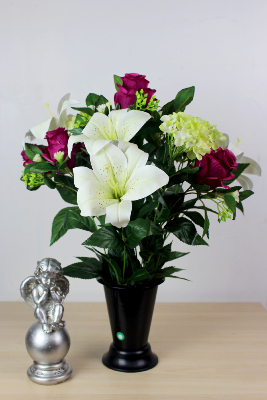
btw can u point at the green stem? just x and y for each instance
(124, 262)
(155, 218)
(63, 185)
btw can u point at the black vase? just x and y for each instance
(130, 312)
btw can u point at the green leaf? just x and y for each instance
(174, 202)
(170, 270)
(101, 100)
(232, 189)
(91, 99)
(68, 192)
(138, 229)
(106, 238)
(147, 209)
(67, 195)
(51, 184)
(163, 215)
(189, 204)
(70, 218)
(42, 166)
(101, 219)
(140, 275)
(240, 207)
(238, 171)
(183, 229)
(114, 270)
(200, 188)
(76, 132)
(198, 241)
(89, 268)
(169, 255)
(183, 98)
(29, 153)
(168, 108)
(206, 225)
(85, 110)
(205, 208)
(117, 79)
(245, 194)
(196, 217)
(230, 202)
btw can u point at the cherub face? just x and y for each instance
(46, 280)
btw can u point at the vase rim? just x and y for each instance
(149, 285)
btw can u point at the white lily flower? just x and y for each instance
(100, 130)
(119, 176)
(253, 169)
(39, 131)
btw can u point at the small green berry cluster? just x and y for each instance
(223, 211)
(32, 179)
(141, 102)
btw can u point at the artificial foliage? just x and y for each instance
(133, 175)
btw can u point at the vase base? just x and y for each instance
(130, 361)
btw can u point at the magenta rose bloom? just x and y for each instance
(25, 159)
(131, 83)
(58, 141)
(215, 167)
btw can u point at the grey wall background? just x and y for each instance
(49, 48)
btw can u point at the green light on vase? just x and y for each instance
(120, 336)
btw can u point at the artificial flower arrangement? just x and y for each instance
(133, 174)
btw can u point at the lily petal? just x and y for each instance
(93, 198)
(145, 181)
(119, 214)
(130, 123)
(98, 145)
(225, 143)
(82, 175)
(110, 160)
(63, 117)
(40, 130)
(96, 127)
(123, 146)
(245, 182)
(79, 139)
(136, 158)
(253, 169)
(237, 152)
(29, 135)
(61, 101)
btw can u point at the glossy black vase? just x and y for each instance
(130, 312)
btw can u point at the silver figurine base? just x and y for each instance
(49, 374)
(48, 350)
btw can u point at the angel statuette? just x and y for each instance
(46, 291)
(47, 341)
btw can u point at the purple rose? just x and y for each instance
(25, 159)
(215, 167)
(58, 141)
(131, 83)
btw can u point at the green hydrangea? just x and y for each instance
(196, 135)
(78, 121)
(32, 179)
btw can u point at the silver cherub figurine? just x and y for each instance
(46, 291)
(47, 341)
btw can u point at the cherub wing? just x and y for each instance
(26, 289)
(64, 285)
